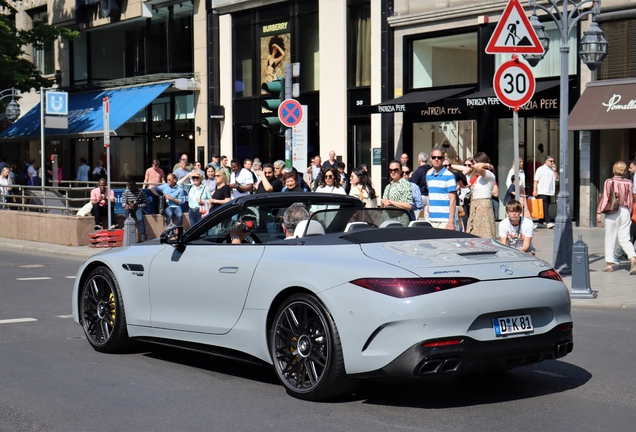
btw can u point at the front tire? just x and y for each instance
(306, 351)
(102, 312)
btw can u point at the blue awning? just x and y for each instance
(85, 114)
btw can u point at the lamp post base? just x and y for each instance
(563, 240)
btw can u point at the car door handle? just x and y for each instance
(228, 269)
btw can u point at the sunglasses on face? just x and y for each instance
(406, 172)
(437, 157)
(218, 175)
(328, 176)
(550, 160)
(468, 165)
(446, 165)
(394, 170)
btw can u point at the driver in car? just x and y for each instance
(242, 229)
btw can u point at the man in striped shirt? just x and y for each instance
(442, 191)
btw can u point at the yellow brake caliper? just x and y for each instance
(111, 303)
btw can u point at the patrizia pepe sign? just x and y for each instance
(613, 104)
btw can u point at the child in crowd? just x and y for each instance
(515, 230)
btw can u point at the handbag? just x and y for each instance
(461, 211)
(536, 207)
(612, 205)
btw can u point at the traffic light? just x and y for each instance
(276, 90)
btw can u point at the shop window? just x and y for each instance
(43, 57)
(550, 65)
(457, 138)
(619, 63)
(80, 60)
(184, 106)
(135, 49)
(183, 42)
(309, 53)
(243, 62)
(158, 42)
(359, 46)
(444, 61)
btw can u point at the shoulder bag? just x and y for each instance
(612, 205)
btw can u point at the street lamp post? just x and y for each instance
(593, 49)
(13, 108)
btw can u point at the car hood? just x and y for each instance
(484, 259)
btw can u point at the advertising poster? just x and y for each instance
(275, 50)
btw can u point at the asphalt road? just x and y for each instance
(52, 380)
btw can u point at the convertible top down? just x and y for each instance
(355, 293)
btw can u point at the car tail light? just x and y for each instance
(442, 343)
(409, 287)
(551, 274)
(564, 327)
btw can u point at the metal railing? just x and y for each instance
(66, 199)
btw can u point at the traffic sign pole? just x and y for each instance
(106, 122)
(288, 131)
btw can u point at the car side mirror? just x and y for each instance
(172, 236)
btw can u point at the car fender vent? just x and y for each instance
(478, 253)
(133, 267)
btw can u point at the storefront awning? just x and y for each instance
(85, 114)
(605, 105)
(416, 102)
(488, 97)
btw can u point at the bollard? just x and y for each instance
(130, 231)
(581, 272)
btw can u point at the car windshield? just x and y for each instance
(346, 220)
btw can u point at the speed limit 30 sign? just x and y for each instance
(514, 83)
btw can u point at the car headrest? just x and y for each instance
(355, 226)
(420, 224)
(315, 228)
(390, 224)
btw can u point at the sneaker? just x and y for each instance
(540, 225)
(551, 225)
(144, 238)
(97, 227)
(114, 226)
(536, 225)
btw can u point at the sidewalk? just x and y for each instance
(616, 289)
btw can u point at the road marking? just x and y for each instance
(33, 278)
(70, 277)
(65, 316)
(17, 320)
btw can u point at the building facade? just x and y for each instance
(147, 57)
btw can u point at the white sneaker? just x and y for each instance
(536, 225)
(114, 226)
(551, 225)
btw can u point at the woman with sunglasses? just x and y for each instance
(481, 219)
(397, 194)
(362, 188)
(330, 182)
(198, 195)
(222, 194)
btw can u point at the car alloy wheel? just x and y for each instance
(102, 312)
(306, 351)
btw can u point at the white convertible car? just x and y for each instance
(356, 293)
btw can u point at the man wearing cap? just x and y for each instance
(216, 161)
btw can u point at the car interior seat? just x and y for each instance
(314, 228)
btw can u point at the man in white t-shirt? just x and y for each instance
(241, 180)
(515, 230)
(545, 186)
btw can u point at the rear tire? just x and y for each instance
(306, 350)
(102, 314)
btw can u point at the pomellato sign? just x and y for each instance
(613, 104)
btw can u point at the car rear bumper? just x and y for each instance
(470, 355)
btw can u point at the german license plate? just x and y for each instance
(510, 325)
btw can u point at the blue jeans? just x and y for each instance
(138, 215)
(176, 212)
(195, 216)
